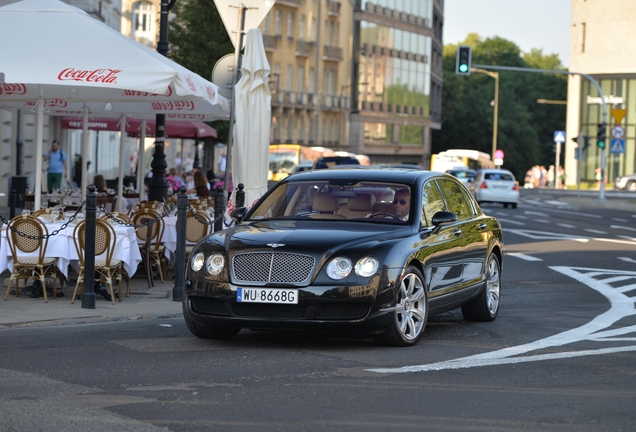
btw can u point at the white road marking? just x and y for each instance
(520, 217)
(557, 203)
(597, 329)
(623, 227)
(511, 221)
(619, 220)
(626, 237)
(535, 213)
(573, 213)
(542, 221)
(593, 231)
(523, 256)
(543, 235)
(165, 325)
(626, 259)
(564, 225)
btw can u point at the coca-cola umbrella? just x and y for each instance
(174, 129)
(84, 60)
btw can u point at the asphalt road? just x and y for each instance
(560, 356)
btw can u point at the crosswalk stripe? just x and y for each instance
(564, 225)
(523, 256)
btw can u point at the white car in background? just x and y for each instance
(495, 186)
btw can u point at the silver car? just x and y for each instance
(495, 186)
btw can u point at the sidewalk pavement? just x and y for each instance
(143, 303)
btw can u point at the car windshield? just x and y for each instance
(463, 174)
(498, 176)
(368, 201)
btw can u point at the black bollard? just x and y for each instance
(219, 208)
(240, 196)
(179, 260)
(88, 296)
(14, 203)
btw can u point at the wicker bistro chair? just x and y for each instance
(106, 269)
(149, 239)
(47, 214)
(25, 267)
(195, 230)
(123, 217)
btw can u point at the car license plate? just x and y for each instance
(267, 295)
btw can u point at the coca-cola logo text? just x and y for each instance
(188, 79)
(185, 116)
(12, 89)
(57, 103)
(172, 106)
(106, 76)
(210, 91)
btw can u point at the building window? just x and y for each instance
(277, 24)
(311, 85)
(266, 25)
(314, 29)
(142, 21)
(329, 89)
(288, 79)
(301, 28)
(301, 80)
(290, 25)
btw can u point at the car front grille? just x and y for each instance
(271, 311)
(208, 306)
(272, 267)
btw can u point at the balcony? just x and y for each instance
(333, 102)
(304, 48)
(332, 53)
(290, 3)
(270, 42)
(333, 8)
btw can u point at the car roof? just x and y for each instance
(366, 173)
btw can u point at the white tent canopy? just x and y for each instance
(83, 60)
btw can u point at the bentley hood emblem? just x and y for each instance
(275, 245)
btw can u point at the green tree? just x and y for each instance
(198, 39)
(525, 128)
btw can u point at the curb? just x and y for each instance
(89, 320)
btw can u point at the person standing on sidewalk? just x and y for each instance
(57, 166)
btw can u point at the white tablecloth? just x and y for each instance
(62, 247)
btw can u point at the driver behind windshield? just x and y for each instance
(402, 204)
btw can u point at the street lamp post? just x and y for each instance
(158, 186)
(494, 75)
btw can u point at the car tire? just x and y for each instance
(486, 306)
(208, 332)
(514, 205)
(505, 205)
(411, 311)
(631, 186)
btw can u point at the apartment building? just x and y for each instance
(601, 35)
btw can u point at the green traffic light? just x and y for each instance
(463, 68)
(601, 144)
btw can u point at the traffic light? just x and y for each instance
(464, 57)
(600, 136)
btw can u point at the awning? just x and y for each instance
(174, 129)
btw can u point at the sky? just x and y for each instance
(543, 24)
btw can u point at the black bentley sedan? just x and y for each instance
(377, 250)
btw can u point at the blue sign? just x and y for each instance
(617, 146)
(559, 136)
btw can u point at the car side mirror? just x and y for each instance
(442, 218)
(238, 213)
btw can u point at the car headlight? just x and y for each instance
(367, 266)
(214, 264)
(339, 268)
(196, 262)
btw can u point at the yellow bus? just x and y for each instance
(460, 159)
(284, 157)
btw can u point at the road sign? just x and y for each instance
(618, 114)
(559, 136)
(617, 146)
(618, 132)
(255, 12)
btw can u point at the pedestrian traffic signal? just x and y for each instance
(464, 57)
(600, 136)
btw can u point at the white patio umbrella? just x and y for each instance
(83, 60)
(250, 149)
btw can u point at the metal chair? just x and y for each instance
(150, 239)
(195, 230)
(106, 269)
(25, 267)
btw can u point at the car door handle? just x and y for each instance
(482, 226)
(457, 232)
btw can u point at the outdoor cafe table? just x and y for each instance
(62, 247)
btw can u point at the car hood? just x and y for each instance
(314, 236)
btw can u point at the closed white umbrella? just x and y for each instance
(83, 60)
(250, 149)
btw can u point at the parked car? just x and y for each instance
(627, 182)
(331, 161)
(495, 186)
(371, 250)
(303, 166)
(464, 175)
